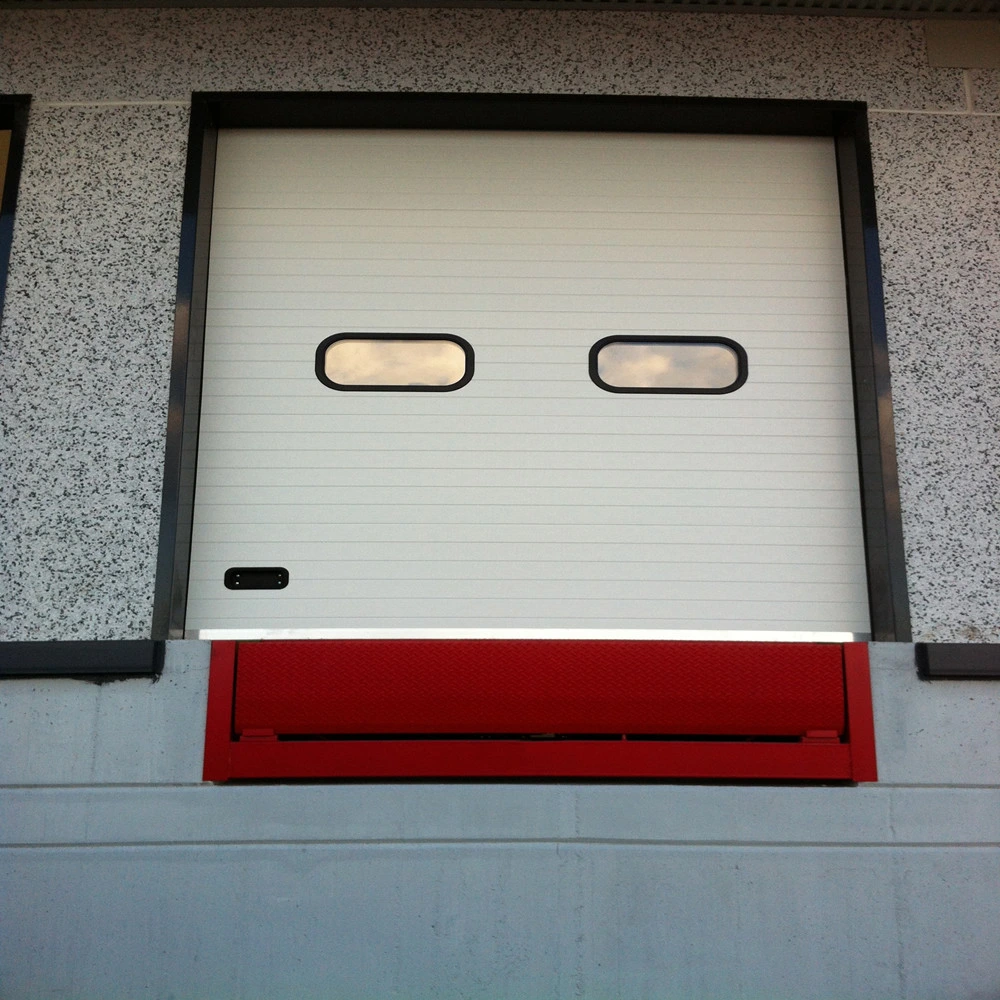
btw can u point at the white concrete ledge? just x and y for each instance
(394, 814)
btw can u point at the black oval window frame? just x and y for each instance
(742, 364)
(470, 362)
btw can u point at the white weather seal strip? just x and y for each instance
(959, 113)
(696, 635)
(151, 103)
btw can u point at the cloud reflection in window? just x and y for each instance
(394, 362)
(668, 364)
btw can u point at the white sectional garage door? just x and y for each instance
(529, 498)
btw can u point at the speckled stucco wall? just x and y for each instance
(88, 318)
(938, 182)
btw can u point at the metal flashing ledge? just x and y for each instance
(958, 660)
(86, 659)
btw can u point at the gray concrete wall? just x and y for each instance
(121, 875)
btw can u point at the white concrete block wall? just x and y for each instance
(121, 875)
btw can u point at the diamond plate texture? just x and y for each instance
(486, 686)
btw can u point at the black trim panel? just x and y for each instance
(737, 349)
(86, 659)
(880, 505)
(13, 117)
(470, 362)
(184, 408)
(965, 9)
(958, 660)
(523, 112)
(845, 122)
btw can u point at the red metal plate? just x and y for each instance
(450, 759)
(776, 668)
(422, 686)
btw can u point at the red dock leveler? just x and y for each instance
(528, 708)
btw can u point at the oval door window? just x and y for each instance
(427, 362)
(668, 364)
